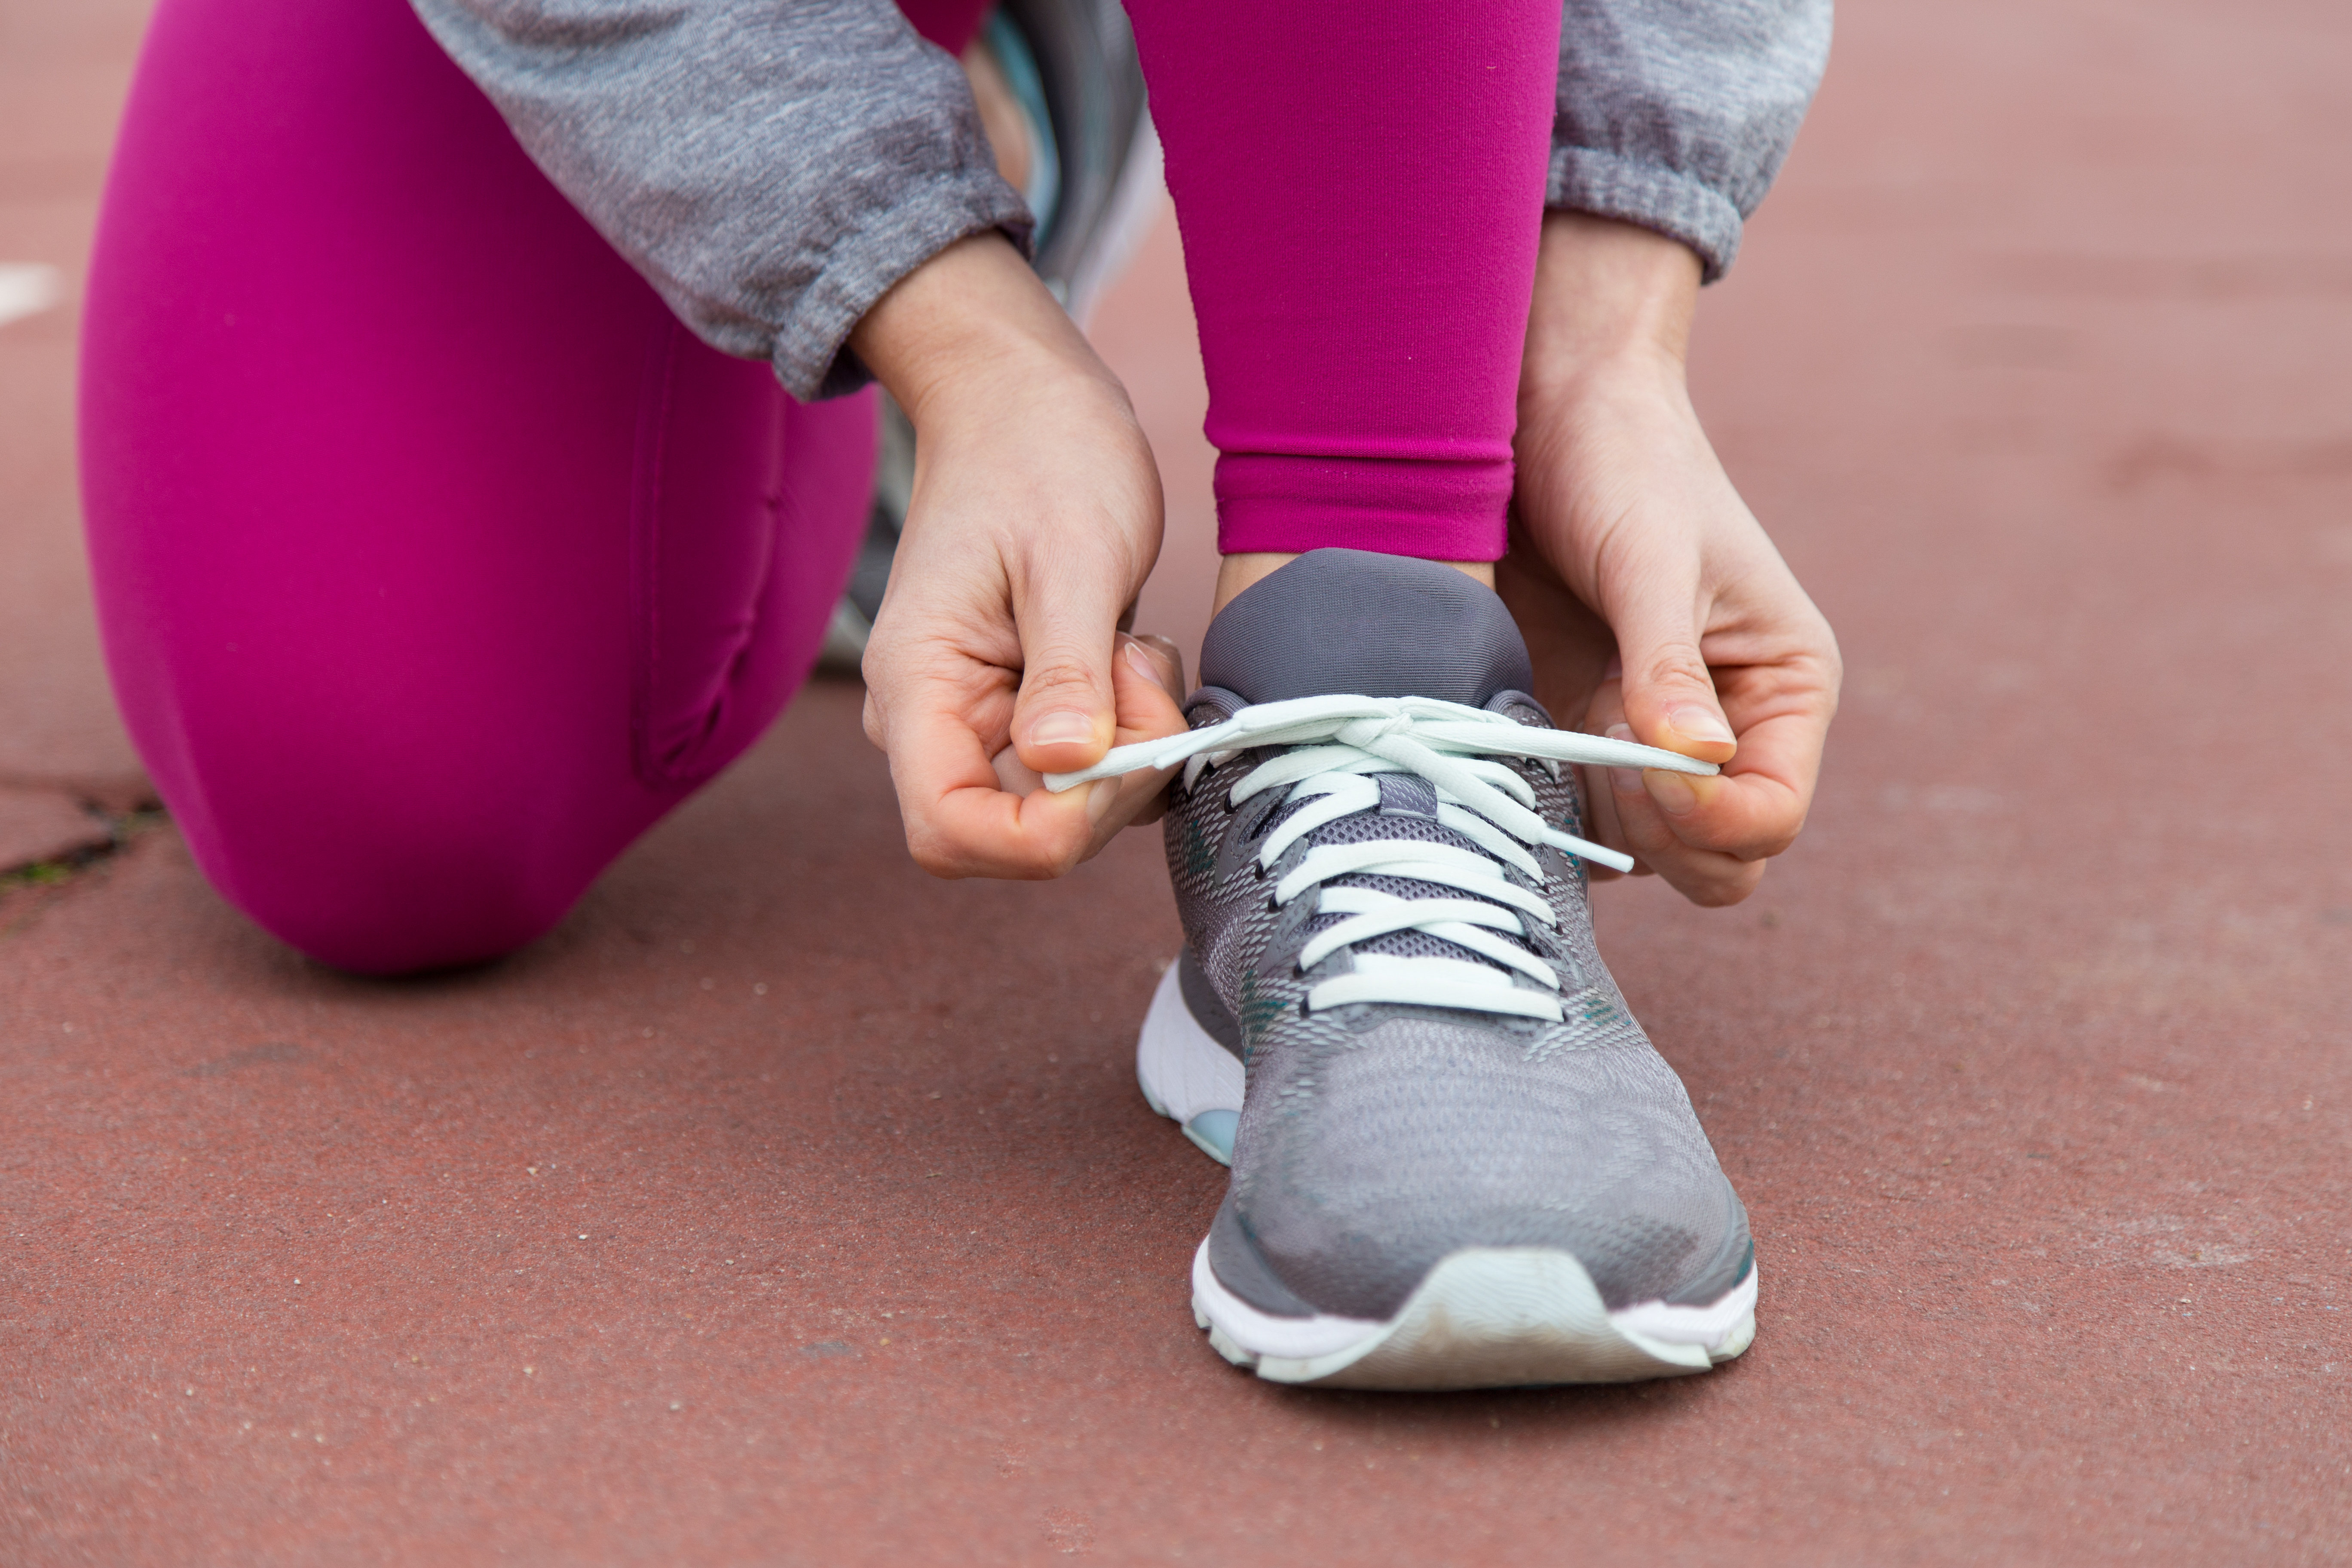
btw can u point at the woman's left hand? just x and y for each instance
(1655, 607)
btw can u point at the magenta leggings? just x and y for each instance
(437, 562)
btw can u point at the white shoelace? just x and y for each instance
(1339, 743)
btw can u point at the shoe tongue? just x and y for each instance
(1351, 622)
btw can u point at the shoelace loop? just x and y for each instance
(1331, 746)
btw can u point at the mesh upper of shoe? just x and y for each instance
(1375, 1140)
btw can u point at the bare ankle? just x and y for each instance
(1237, 571)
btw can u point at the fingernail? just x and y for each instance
(1673, 792)
(1138, 658)
(1099, 795)
(1624, 780)
(1693, 722)
(1064, 728)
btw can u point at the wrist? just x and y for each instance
(1612, 311)
(967, 327)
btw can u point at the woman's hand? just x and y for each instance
(1653, 604)
(997, 656)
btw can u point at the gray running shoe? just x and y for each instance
(1457, 1161)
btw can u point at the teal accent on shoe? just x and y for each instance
(1214, 1132)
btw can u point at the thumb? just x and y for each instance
(1065, 717)
(1669, 696)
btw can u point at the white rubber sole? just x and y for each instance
(1186, 1076)
(1494, 1317)
(1484, 1318)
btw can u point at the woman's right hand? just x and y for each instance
(1036, 518)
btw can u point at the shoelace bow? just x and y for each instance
(1335, 745)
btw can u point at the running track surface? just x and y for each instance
(787, 1206)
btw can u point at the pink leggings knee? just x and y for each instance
(435, 560)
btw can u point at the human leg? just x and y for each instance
(1359, 188)
(435, 560)
(1458, 1160)
(1362, 261)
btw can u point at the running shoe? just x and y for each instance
(1457, 1161)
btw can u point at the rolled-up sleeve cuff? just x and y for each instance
(1609, 185)
(812, 356)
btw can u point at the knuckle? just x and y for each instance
(1677, 664)
(1728, 839)
(945, 867)
(1057, 675)
(1036, 863)
(1749, 838)
(1725, 892)
(1036, 696)
(936, 850)
(1717, 890)
(933, 857)
(1647, 834)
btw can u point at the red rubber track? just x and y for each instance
(788, 1207)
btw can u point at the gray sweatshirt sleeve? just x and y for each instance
(771, 166)
(1675, 114)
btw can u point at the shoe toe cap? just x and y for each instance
(1357, 1177)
